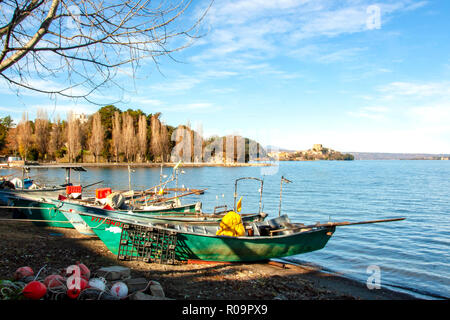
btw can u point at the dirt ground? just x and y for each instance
(24, 244)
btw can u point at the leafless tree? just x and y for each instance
(116, 135)
(82, 43)
(74, 142)
(24, 136)
(164, 142)
(183, 146)
(128, 134)
(96, 142)
(56, 137)
(142, 137)
(41, 132)
(159, 142)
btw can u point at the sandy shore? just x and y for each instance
(24, 244)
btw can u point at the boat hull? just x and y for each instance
(42, 213)
(221, 248)
(30, 194)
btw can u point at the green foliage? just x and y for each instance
(106, 116)
(170, 131)
(348, 156)
(135, 113)
(33, 154)
(61, 152)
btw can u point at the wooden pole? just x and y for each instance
(333, 224)
(281, 190)
(166, 199)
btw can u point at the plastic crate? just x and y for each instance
(102, 193)
(147, 244)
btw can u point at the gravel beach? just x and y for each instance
(24, 244)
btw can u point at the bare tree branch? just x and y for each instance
(81, 44)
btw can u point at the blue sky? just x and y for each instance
(292, 73)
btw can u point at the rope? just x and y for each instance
(10, 289)
(15, 207)
(37, 220)
(37, 275)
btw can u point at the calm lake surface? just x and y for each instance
(413, 255)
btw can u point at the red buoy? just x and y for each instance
(85, 272)
(54, 281)
(23, 272)
(34, 290)
(75, 285)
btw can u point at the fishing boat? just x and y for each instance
(173, 213)
(72, 208)
(128, 237)
(29, 189)
(273, 238)
(35, 204)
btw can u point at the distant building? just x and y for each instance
(80, 116)
(15, 162)
(317, 147)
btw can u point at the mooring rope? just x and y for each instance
(15, 207)
(38, 220)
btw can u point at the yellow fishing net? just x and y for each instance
(231, 225)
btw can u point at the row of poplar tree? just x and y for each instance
(107, 135)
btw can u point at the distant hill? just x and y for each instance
(397, 156)
(270, 148)
(317, 152)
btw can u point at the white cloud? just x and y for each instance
(193, 107)
(325, 54)
(417, 90)
(63, 109)
(435, 114)
(245, 32)
(371, 112)
(183, 83)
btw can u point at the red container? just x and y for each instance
(102, 193)
(73, 189)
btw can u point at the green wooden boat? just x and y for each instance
(41, 213)
(274, 238)
(200, 242)
(47, 213)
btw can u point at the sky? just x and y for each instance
(354, 76)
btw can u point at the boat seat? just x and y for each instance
(255, 229)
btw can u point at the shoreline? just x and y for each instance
(26, 244)
(145, 164)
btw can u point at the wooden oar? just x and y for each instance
(181, 195)
(335, 224)
(146, 190)
(198, 191)
(92, 184)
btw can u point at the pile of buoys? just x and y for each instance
(73, 282)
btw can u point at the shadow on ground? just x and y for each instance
(24, 244)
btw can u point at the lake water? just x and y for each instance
(413, 255)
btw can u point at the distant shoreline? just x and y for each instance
(157, 165)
